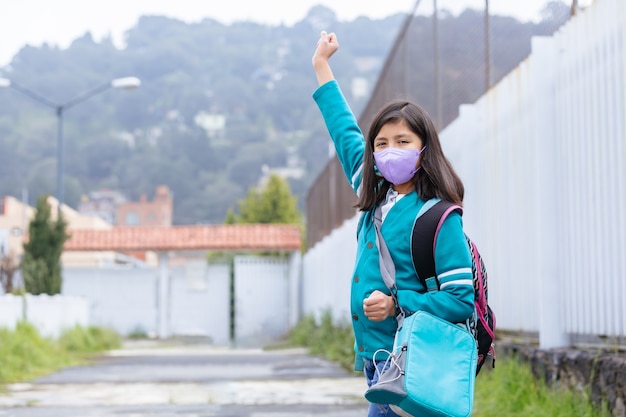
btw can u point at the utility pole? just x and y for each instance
(487, 47)
(125, 83)
(438, 99)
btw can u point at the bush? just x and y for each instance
(512, 390)
(81, 340)
(335, 342)
(41, 267)
(24, 354)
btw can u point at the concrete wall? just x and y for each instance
(49, 314)
(195, 300)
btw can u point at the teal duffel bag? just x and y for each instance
(431, 371)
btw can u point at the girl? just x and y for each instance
(399, 166)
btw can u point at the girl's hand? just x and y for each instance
(378, 306)
(326, 46)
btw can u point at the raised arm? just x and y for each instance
(339, 118)
(326, 46)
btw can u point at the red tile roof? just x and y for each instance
(211, 237)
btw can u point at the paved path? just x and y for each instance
(192, 380)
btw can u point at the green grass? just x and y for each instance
(509, 390)
(24, 354)
(335, 343)
(80, 340)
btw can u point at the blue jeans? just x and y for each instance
(371, 376)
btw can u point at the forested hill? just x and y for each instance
(217, 104)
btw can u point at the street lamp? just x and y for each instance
(125, 83)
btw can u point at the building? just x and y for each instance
(102, 203)
(15, 217)
(158, 212)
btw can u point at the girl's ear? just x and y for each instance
(376, 171)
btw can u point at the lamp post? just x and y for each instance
(125, 83)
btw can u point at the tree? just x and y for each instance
(8, 266)
(231, 217)
(272, 204)
(41, 265)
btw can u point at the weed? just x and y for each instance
(24, 354)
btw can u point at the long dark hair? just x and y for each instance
(435, 178)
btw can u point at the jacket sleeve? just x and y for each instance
(453, 264)
(343, 129)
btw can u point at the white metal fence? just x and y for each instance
(326, 272)
(543, 159)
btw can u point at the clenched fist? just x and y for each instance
(378, 306)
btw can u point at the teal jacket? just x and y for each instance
(455, 300)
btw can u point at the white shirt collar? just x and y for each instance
(391, 199)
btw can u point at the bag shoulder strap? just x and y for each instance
(387, 268)
(423, 240)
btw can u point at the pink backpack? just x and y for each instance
(425, 230)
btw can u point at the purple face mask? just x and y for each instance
(397, 165)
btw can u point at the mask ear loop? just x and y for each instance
(419, 159)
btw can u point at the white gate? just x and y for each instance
(200, 301)
(121, 298)
(126, 299)
(261, 303)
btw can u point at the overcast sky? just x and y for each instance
(59, 22)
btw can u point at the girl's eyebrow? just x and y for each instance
(398, 136)
(401, 136)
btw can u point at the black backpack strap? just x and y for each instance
(423, 243)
